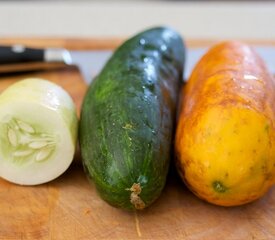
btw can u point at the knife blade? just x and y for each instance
(90, 62)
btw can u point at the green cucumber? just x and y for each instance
(127, 119)
(38, 132)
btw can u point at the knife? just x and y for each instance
(18, 58)
(90, 62)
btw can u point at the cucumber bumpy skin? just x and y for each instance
(127, 119)
(38, 131)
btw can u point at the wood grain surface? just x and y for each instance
(70, 208)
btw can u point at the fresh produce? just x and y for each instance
(38, 132)
(225, 138)
(127, 119)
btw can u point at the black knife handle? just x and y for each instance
(20, 54)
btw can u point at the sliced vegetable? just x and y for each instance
(38, 132)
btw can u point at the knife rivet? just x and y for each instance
(18, 48)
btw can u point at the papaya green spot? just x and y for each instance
(219, 187)
(266, 127)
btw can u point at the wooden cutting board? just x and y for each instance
(70, 208)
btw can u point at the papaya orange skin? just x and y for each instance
(225, 136)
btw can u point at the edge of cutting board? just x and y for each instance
(106, 43)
